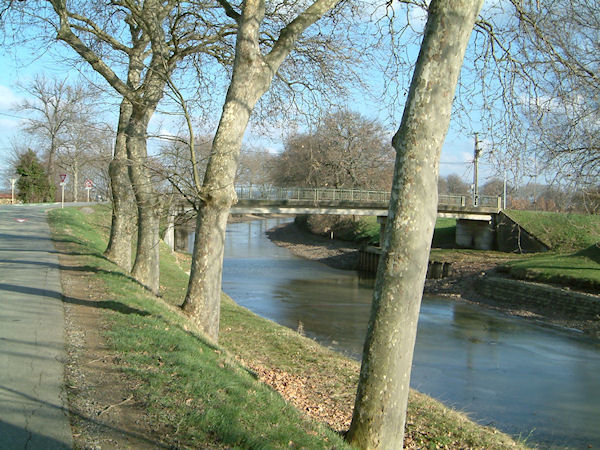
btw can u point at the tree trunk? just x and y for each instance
(119, 244)
(75, 167)
(146, 265)
(51, 169)
(250, 80)
(251, 77)
(380, 408)
(202, 301)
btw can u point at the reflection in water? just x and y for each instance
(518, 376)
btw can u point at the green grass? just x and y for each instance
(579, 269)
(202, 395)
(444, 234)
(574, 258)
(366, 229)
(558, 231)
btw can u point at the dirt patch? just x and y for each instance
(334, 253)
(460, 286)
(105, 412)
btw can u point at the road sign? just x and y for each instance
(88, 184)
(63, 177)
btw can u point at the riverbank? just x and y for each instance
(149, 379)
(467, 268)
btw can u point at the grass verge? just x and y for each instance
(579, 269)
(574, 258)
(199, 392)
(573, 238)
(206, 397)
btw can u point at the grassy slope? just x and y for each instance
(574, 258)
(203, 394)
(366, 229)
(561, 232)
(205, 397)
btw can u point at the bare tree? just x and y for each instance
(254, 66)
(254, 167)
(86, 147)
(345, 151)
(453, 185)
(380, 407)
(560, 43)
(56, 109)
(183, 161)
(135, 46)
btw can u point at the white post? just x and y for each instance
(12, 190)
(62, 194)
(504, 192)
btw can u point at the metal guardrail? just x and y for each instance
(310, 194)
(351, 195)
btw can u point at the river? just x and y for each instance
(532, 381)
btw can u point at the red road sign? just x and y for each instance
(88, 183)
(63, 177)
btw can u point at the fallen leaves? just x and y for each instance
(311, 395)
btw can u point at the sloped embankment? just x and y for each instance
(512, 236)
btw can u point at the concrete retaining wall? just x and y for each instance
(368, 260)
(573, 305)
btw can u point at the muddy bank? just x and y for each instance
(459, 286)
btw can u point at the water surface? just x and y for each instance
(527, 379)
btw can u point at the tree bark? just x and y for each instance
(250, 80)
(119, 244)
(380, 408)
(75, 168)
(146, 265)
(251, 77)
(202, 300)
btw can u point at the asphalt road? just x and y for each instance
(33, 412)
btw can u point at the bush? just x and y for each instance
(33, 184)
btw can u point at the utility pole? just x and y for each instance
(476, 154)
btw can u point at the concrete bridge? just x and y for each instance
(475, 217)
(269, 200)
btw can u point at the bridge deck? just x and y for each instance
(268, 199)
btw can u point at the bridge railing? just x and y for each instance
(468, 200)
(311, 194)
(266, 192)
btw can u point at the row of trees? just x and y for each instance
(137, 48)
(345, 150)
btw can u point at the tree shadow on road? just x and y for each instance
(103, 304)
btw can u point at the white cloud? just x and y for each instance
(8, 98)
(6, 123)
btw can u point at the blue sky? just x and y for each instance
(457, 153)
